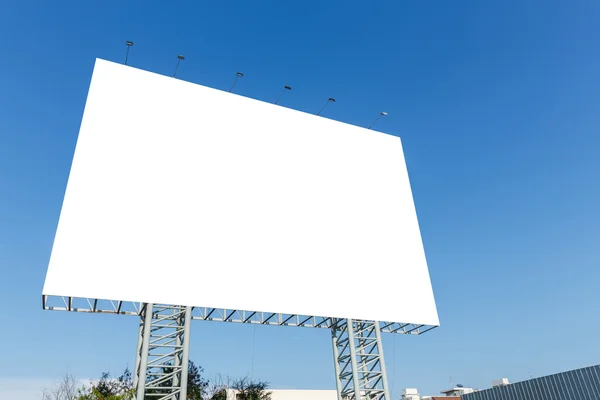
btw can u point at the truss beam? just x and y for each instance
(162, 352)
(358, 360)
(75, 304)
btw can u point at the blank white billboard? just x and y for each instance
(183, 194)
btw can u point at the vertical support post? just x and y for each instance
(355, 380)
(185, 353)
(143, 366)
(363, 356)
(138, 349)
(386, 390)
(163, 353)
(336, 358)
(358, 360)
(175, 383)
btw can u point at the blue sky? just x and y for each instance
(497, 105)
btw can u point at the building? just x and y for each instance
(410, 394)
(449, 394)
(279, 394)
(579, 384)
(440, 398)
(457, 391)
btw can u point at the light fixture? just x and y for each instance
(129, 44)
(329, 100)
(383, 113)
(179, 58)
(286, 87)
(237, 75)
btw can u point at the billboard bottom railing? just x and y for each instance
(90, 305)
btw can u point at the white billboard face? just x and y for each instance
(183, 194)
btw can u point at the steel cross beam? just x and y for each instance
(162, 352)
(92, 305)
(358, 360)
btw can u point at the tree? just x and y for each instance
(218, 388)
(249, 389)
(65, 390)
(220, 394)
(196, 384)
(111, 387)
(121, 388)
(94, 394)
(107, 388)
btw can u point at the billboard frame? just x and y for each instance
(99, 306)
(162, 351)
(164, 341)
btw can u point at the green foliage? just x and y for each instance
(196, 385)
(65, 390)
(107, 388)
(95, 394)
(121, 388)
(219, 394)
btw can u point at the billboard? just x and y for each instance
(183, 194)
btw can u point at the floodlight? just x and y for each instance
(286, 87)
(179, 58)
(129, 44)
(383, 113)
(329, 100)
(237, 75)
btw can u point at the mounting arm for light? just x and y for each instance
(329, 100)
(383, 113)
(286, 87)
(179, 58)
(129, 44)
(237, 75)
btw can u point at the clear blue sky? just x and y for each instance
(497, 104)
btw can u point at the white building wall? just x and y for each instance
(295, 394)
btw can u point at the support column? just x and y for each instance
(185, 354)
(138, 349)
(163, 352)
(142, 356)
(336, 359)
(384, 380)
(358, 361)
(353, 361)
(363, 357)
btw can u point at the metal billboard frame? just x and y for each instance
(87, 305)
(162, 351)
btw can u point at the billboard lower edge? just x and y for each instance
(102, 306)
